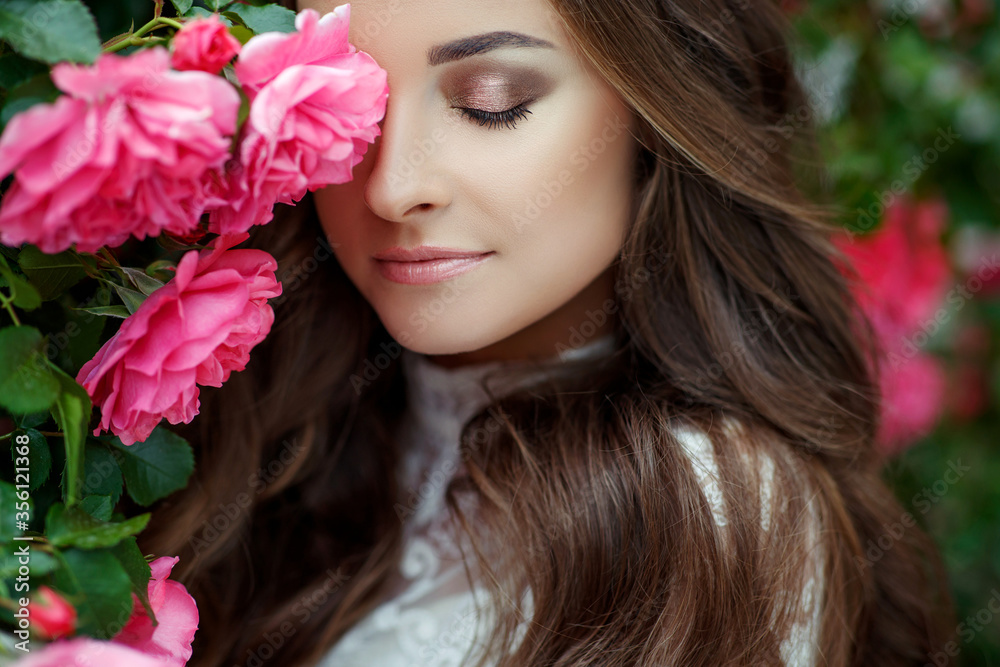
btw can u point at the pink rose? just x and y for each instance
(315, 106)
(133, 147)
(176, 616)
(913, 394)
(195, 330)
(87, 652)
(904, 265)
(905, 275)
(50, 615)
(203, 44)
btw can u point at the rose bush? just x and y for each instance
(132, 174)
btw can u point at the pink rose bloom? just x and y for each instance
(913, 395)
(203, 44)
(51, 616)
(904, 265)
(176, 616)
(195, 330)
(88, 652)
(133, 147)
(905, 276)
(315, 106)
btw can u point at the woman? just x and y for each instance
(636, 323)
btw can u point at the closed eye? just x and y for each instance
(507, 117)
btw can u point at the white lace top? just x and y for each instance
(428, 617)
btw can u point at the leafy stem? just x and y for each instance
(7, 301)
(136, 38)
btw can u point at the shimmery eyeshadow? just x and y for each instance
(494, 88)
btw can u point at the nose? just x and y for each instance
(406, 181)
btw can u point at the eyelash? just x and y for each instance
(507, 117)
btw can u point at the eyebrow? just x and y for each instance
(471, 46)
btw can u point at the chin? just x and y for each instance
(440, 340)
(442, 336)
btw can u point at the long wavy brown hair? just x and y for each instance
(729, 306)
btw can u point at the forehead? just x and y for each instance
(389, 29)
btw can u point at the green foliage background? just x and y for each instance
(888, 77)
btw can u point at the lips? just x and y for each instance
(427, 264)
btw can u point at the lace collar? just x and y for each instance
(438, 392)
(440, 401)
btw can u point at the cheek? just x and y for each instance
(567, 210)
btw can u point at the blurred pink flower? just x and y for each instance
(914, 393)
(131, 148)
(195, 330)
(203, 44)
(51, 616)
(176, 616)
(315, 106)
(87, 652)
(905, 276)
(904, 266)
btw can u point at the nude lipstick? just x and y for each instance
(425, 265)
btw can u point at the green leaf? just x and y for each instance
(157, 467)
(26, 297)
(50, 30)
(99, 507)
(102, 475)
(128, 554)
(268, 18)
(145, 284)
(182, 6)
(85, 330)
(26, 383)
(131, 297)
(51, 274)
(201, 12)
(107, 311)
(162, 266)
(39, 562)
(242, 33)
(71, 526)
(95, 582)
(39, 457)
(9, 518)
(33, 419)
(39, 89)
(72, 413)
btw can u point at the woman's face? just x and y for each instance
(500, 147)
